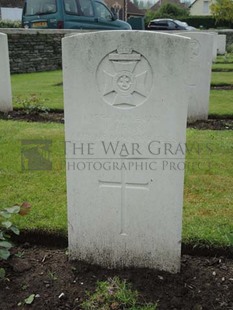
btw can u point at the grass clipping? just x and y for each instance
(114, 294)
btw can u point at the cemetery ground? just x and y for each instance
(41, 276)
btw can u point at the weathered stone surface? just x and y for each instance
(125, 117)
(5, 83)
(221, 48)
(199, 74)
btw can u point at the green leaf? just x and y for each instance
(15, 230)
(4, 254)
(2, 236)
(7, 224)
(13, 210)
(5, 214)
(5, 244)
(2, 273)
(29, 300)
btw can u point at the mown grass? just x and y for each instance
(46, 190)
(45, 86)
(227, 58)
(222, 78)
(208, 209)
(222, 66)
(46, 89)
(221, 102)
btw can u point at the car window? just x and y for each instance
(86, 7)
(102, 11)
(78, 7)
(163, 23)
(71, 6)
(172, 25)
(35, 7)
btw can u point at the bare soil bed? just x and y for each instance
(204, 283)
(58, 117)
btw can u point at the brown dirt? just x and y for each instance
(205, 283)
(222, 87)
(214, 123)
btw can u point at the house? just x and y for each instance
(11, 9)
(200, 7)
(127, 11)
(117, 7)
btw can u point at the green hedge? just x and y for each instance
(206, 22)
(10, 24)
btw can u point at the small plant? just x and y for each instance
(230, 48)
(32, 105)
(114, 294)
(52, 276)
(10, 24)
(7, 227)
(27, 301)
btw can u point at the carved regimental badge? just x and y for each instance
(124, 78)
(195, 49)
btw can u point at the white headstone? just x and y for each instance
(199, 74)
(215, 44)
(5, 83)
(125, 120)
(221, 50)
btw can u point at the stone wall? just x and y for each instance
(40, 50)
(35, 50)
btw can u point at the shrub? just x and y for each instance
(7, 227)
(9, 24)
(167, 10)
(205, 22)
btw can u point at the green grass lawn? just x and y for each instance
(222, 67)
(221, 102)
(208, 209)
(44, 86)
(222, 78)
(46, 190)
(228, 58)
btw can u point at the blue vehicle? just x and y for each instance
(70, 14)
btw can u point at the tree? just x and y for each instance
(173, 11)
(222, 10)
(168, 10)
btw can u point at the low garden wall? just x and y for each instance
(35, 50)
(40, 50)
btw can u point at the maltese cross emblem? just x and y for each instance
(124, 78)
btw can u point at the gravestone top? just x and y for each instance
(199, 74)
(5, 83)
(125, 121)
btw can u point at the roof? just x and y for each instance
(11, 3)
(192, 3)
(158, 4)
(132, 8)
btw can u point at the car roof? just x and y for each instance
(162, 19)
